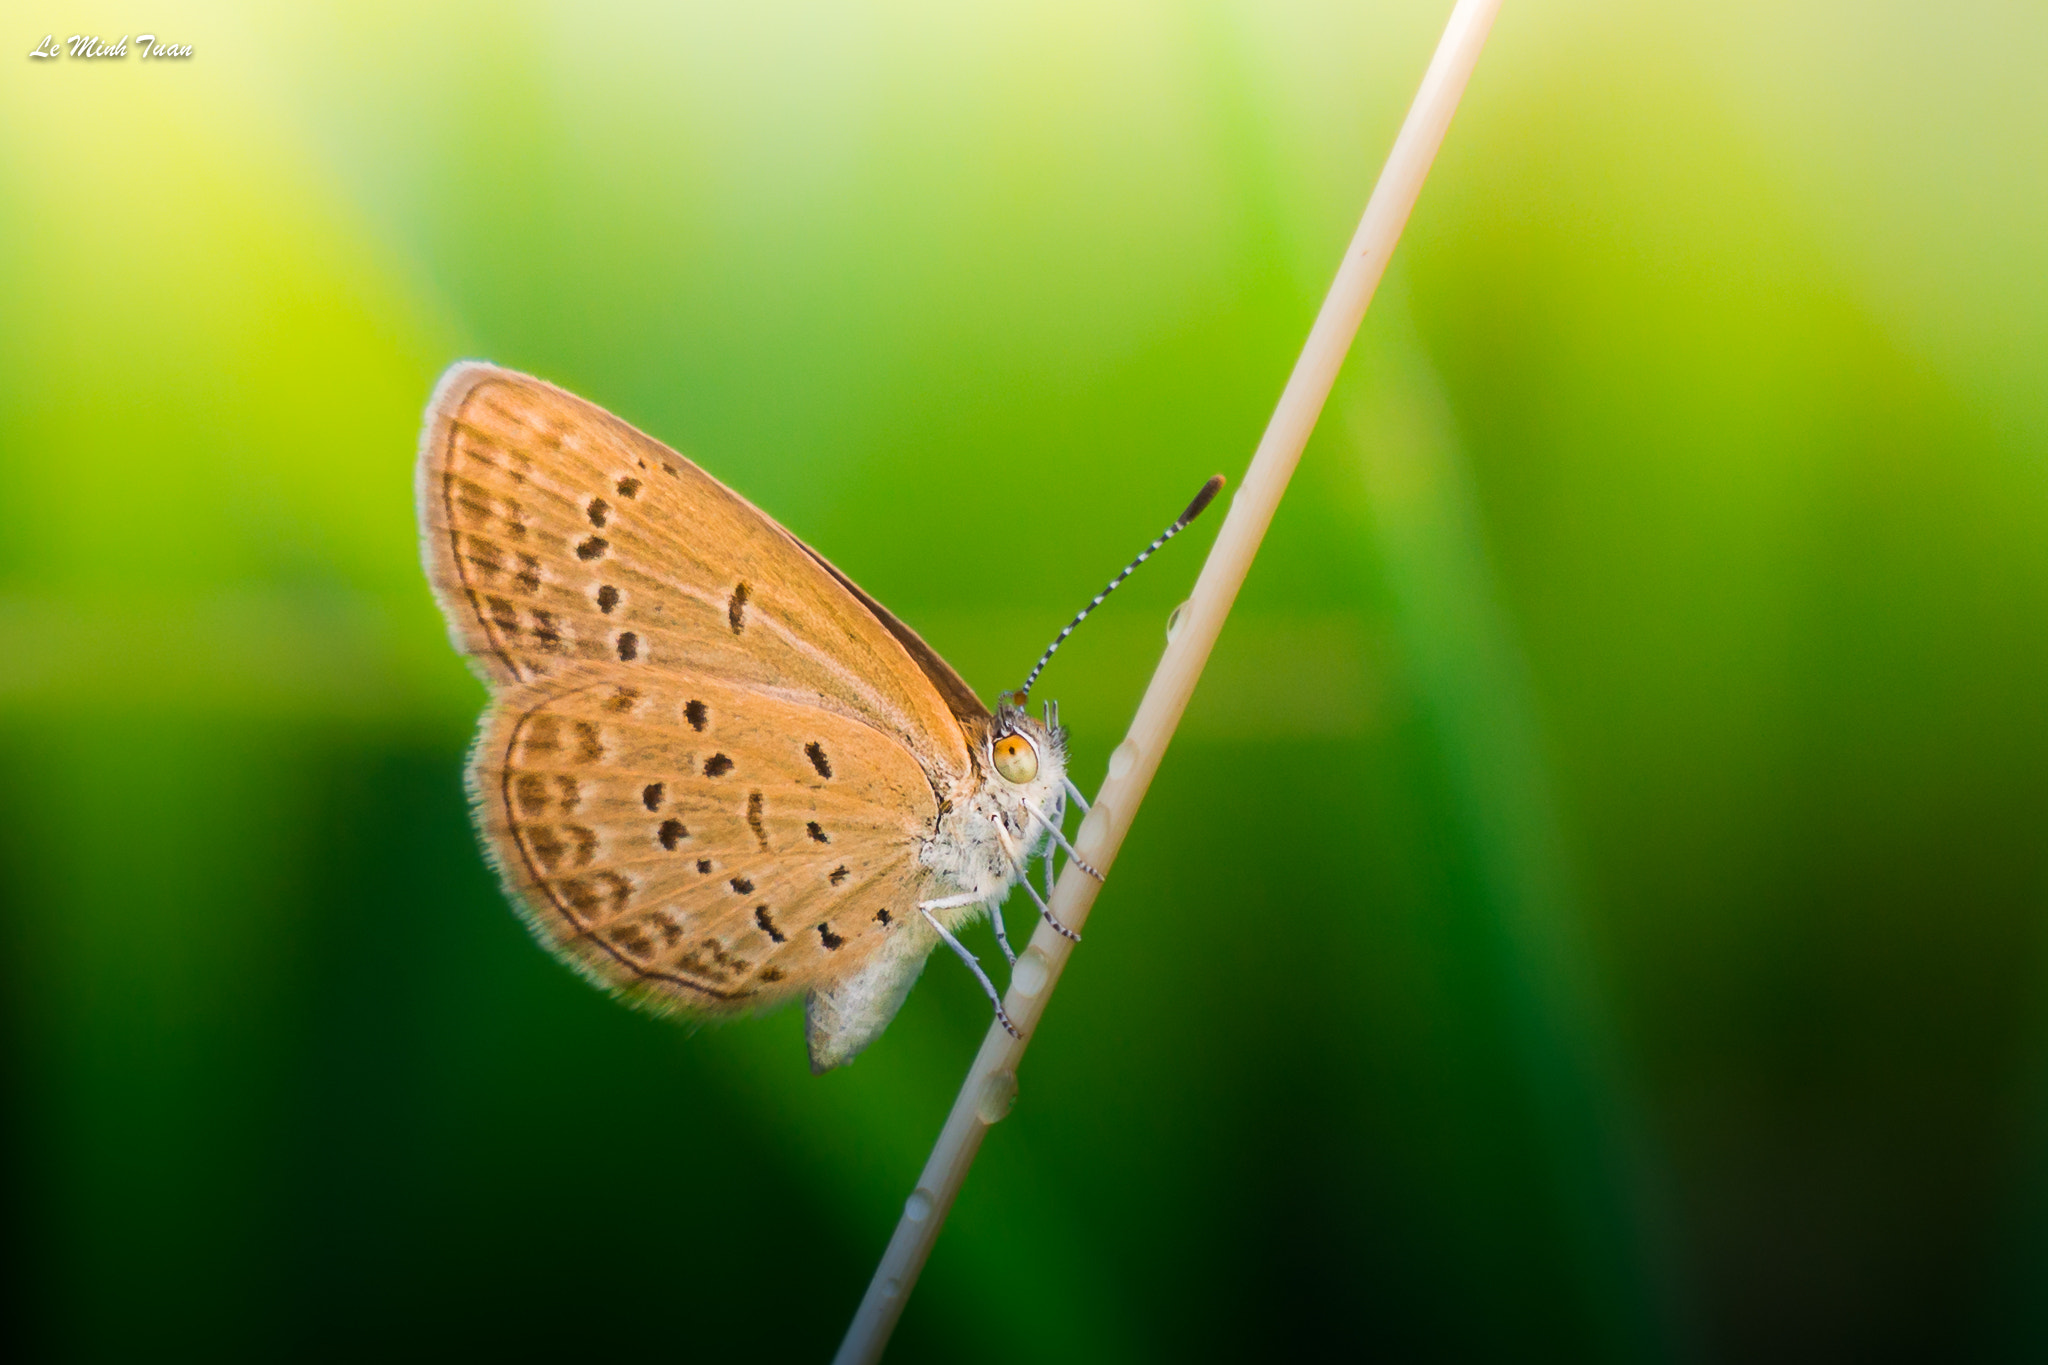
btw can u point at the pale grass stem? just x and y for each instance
(991, 1083)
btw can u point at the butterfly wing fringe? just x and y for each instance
(437, 532)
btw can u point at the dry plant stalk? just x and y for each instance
(991, 1083)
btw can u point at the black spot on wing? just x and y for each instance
(503, 614)
(816, 753)
(547, 632)
(633, 941)
(530, 790)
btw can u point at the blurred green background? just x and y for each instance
(1593, 911)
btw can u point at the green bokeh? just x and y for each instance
(1594, 909)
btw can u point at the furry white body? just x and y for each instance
(981, 846)
(979, 850)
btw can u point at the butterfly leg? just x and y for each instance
(995, 907)
(995, 998)
(995, 917)
(1023, 869)
(971, 898)
(1059, 813)
(1079, 861)
(1075, 792)
(1046, 910)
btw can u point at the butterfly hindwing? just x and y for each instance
(695, 845)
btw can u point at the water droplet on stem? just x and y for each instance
(998, 1093)
(1173, 621)
(1027, 978)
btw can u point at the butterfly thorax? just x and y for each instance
(981, 842)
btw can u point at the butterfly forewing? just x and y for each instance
(557, 534)
(695, 844)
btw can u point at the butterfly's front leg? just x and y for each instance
(995, 905)
(1045, 911)
(1054, 830)
(1059, 813)
(1023, 871)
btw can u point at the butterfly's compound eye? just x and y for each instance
(1016, 759)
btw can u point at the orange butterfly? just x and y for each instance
(714, 774)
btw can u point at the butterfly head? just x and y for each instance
(1028, 756)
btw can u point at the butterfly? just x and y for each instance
(714, 775)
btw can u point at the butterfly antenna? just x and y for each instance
(1202, 499)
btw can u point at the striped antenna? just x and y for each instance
(1202, 499)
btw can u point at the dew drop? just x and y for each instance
(892, 1287)
(1027, 978)
(1173, 621)
(918, 1207)
(1123, 759)
(998, 1094)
